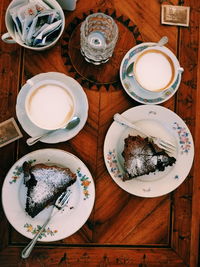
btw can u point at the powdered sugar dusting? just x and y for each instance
(143, 157)
(47, 181)
(135, 163)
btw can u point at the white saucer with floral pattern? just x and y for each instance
(132, 87)
(157, 121)
(66, 222)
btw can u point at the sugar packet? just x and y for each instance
(44, 18)
(9, 132)
(175, 15)
(51, 29)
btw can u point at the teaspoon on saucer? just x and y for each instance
(161, 42)
(72, 124)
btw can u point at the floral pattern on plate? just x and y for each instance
(18, 171)
(34, 230)
(85, 182)
(184, 140)
(130, 55)
(113, 164)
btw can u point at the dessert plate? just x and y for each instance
(67, 221)
(131, 86)
(160, 122)
(63, 134)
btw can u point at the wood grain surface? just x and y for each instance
(123, 229)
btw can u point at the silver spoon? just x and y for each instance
(162, 42)
(73, 123)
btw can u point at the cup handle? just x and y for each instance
(180, 70)
(7, 38)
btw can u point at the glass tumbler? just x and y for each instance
(99, 34)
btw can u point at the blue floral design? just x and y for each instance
(130, 55)
(184, 140)
(113, 164)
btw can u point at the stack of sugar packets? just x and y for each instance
(36, 23)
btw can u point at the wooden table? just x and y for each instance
(161, 231)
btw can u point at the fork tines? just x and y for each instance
(167, 145)
(63, 198)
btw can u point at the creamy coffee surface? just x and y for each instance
(153, 71)
(50, 106)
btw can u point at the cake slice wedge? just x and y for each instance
(142, 156)
(44, 185)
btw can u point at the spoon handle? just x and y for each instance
(32, 140)
(162, 41)
(72, 124)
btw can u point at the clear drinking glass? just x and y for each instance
(99, 34)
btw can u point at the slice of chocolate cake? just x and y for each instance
(45, 184)
(142, 156)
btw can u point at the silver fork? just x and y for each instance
(59, 204)
(164, 144)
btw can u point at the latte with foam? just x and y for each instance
(154, 70)
(50, 106)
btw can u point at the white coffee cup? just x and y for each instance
(10, 36)
(49, 104)
(156, 69)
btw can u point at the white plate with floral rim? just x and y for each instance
(160, 122)
(61, 135)
(131, 86)
(67, 221)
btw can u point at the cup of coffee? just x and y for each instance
(156, 69)
(49, 104)
(20, 24)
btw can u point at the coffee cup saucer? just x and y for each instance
(61, 135)
(134, 89)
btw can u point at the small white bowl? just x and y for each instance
(10, 37)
